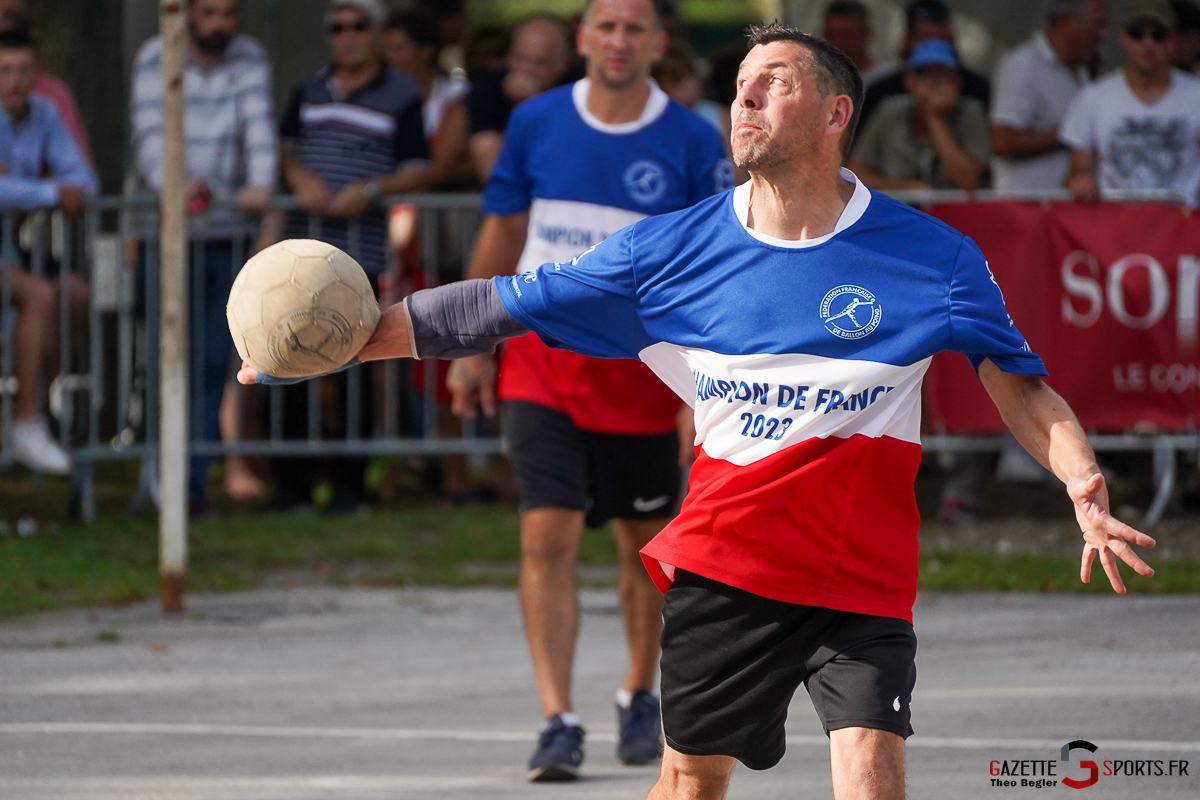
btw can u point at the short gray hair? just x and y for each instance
(1057, 9)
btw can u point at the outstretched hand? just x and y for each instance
(1103, 534)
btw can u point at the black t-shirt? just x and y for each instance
(488, 106)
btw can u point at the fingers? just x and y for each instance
(487, 396)
(1085, 567)
(462, 397)
(247, 374)
(1126, 554)
(1109, 562)
(1108, 525)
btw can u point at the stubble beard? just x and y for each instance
(755, 155)
(763, 151)
(616, 84)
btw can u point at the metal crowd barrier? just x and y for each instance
(104, 395)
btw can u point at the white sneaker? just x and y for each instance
(33, 446)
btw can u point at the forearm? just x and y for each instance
(452, 321)
(485, 148)
(1081, 165)
(1042, 422)
(963, 169)
(875, 179)
(27, 194)
(294, 173)
(1015, 143)
(498, 248)
(459, 319)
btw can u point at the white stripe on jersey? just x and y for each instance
(770, 402)
(559, 230)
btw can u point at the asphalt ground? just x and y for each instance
(381, 693)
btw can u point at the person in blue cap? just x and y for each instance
(933, 137)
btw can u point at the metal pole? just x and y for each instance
(173, 373)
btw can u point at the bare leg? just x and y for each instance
(240, 481)
(550, 601)
(692, 777)
(34, 297)
(867, 764)
(641, 602)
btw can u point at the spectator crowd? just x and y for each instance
(419, 100)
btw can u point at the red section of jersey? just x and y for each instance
(827, 522)
(603, 395)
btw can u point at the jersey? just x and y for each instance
(582, 180)
(803, 363)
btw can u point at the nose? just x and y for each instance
(750, 95)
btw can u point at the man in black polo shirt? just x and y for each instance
(351, 133)
(539, 58)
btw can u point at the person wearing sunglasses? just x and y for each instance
(352, 133)
(1138, 128)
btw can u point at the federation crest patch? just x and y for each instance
(850, 312)
(645, 181)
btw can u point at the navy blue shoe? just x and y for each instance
(640, 725)
(559, 752)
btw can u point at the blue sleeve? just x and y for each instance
(979, 324)
(711, 171)
(509, 189)
(66, 162)
(587, 305)
(27, 194)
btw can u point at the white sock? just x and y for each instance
(569, 718)
(624, 698)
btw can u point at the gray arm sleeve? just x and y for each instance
(459, 319)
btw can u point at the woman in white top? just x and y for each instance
(410, 41)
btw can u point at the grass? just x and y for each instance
(966, 570)
(114, 560)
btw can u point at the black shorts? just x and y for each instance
(608, 476)
(732, 660)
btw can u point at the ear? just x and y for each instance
(840, 113)
(579, 39)
(660, 45)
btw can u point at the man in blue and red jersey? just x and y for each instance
(591, 440)
(797, 315)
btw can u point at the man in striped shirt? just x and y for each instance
(351, 133)
(232, 159)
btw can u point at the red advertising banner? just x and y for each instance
(1106, 294)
